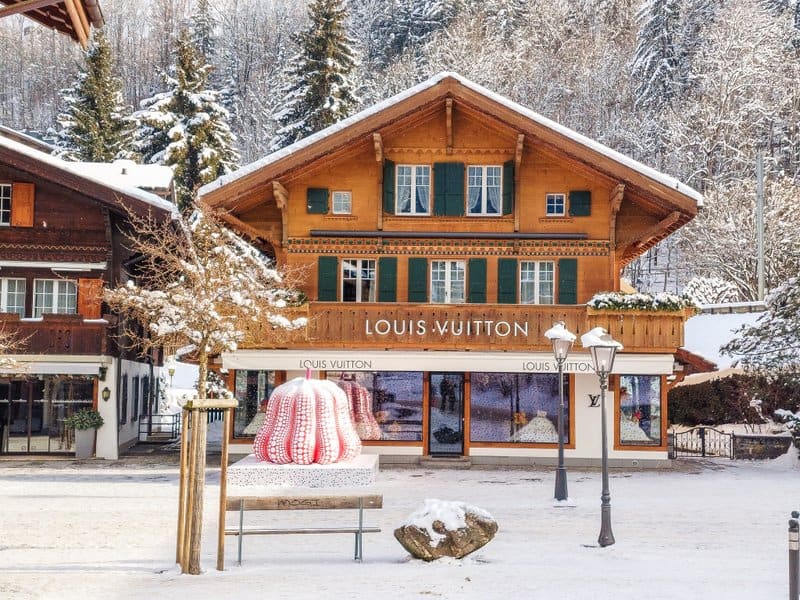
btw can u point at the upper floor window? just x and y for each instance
(484, 196)
(54, 296)
(12, 296)
(358, 280)
(342, 203)
(536, 282)
(448, 278)
(5, 204)
(413, 190)
(556, 205)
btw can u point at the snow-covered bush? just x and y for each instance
(792, 421)
(639, 301)
(710, 290)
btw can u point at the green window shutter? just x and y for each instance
(580, 203)
(387, 279)
(568, 281)
(508, 187)
(477, 281)
(327, 278)
(439, 189)
(417, 279)
(388, 186)
(448, 189)
(317, 200)
(507, 281)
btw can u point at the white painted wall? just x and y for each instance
(107, 446)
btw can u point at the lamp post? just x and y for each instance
(170, 363)
(562, 340)
(604, 349)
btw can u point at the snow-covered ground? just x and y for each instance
(103, 529)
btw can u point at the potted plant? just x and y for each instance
(85, 422)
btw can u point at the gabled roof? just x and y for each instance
(75, 176)
(667, 193)
(71, 17)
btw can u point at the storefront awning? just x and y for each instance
(53, 368)
(487, 362)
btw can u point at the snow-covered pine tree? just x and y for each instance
(186, 127)
(202, 24)
(319, 92)
(95, 124)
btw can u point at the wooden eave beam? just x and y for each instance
(77, 25)
(282, 200)
(25, 6)
(239, 225)
(517, 192)
(448, 103)
(615, 203)
(377, 142)
(653, 231)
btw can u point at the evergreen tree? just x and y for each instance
(186, 127)
(93, 125)
(319, 92)
(202, 29)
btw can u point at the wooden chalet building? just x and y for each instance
(444, 231)
(61, 241)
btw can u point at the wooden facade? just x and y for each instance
(397, 199)
(62, 241)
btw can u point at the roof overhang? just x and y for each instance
(74, 18)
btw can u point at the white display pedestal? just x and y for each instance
(250, 473)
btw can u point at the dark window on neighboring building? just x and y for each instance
(123, 401)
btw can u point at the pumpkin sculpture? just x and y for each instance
(361, 410)
(307, 421)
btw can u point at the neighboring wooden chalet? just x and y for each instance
(74, 18)
(444, 231)
(61, 241)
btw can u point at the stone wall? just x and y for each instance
(760, 446)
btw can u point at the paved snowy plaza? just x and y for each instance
(106, 530)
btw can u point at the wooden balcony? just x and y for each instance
(58, 334)
(495, 327)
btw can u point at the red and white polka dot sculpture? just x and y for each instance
(307, 421)
(364, 421)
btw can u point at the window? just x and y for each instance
(135, 411)
(145, 395)
(413, 190)
(5, 204)
(342, 203)
(447, 281)
(536, 282)
(555, 205)
(640, 410)
(123, 401)
(54, 296)
(252, 389)
(517, 408)
(484, 195)
(12, 296)
(358, 280)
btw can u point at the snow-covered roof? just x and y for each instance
(126, 173)
(80, 170)
(705, 334)
(618, 157)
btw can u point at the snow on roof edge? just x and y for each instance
(618, 157)
(74, 169)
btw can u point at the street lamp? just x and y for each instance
(170, 364)
(603, 349)
(562, 340)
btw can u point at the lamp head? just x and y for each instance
(105, 394)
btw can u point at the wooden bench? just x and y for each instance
(359, 502)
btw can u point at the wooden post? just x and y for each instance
(223, 488)
(182, 489)
(196, 487)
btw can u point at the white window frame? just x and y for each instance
(5, 204)
(554, 198)
(482, 171)
(342, 202)
(62, 288)
(5, 306)
(362, 268)
(533, 272)
(447, 272)
(415, 175)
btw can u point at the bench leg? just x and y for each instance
(360, 533)
(241, 530)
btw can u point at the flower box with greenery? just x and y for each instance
(85, 422)
(640, 302)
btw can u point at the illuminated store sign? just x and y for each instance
(445, 327)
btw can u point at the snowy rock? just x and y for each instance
(440, 528)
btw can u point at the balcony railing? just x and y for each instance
(57, 334)
(466, 327)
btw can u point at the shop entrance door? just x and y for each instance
(446, 414)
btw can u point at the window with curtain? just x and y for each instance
(59, 296)
(12, 296)
(342, 203)
(536, 282)
(484, 190)
(358, 280)
(448, 278)
(413, 189)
